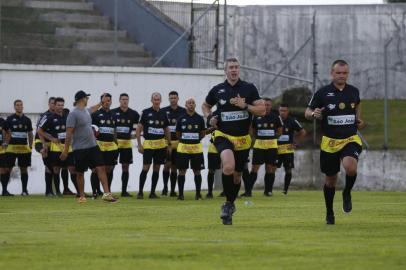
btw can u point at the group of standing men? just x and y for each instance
(95, 137)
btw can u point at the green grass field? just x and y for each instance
(274, 233)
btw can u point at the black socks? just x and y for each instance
(155, 177)
(329, 193)
(210, 182)
(349, 183)
(143, 178)
(174, 176)
(269, 181)
(181, 184)
(288, 178)
(165, 176)
(24, 181)
(124, 181)
(198, 183)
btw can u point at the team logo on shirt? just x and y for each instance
(174, 120)
(14, 126)
(57, 127)
(63, 127)
(271, 125)
(341, 106)
(123, 121)
(183, 127)
(55, 120)
(128, 121)
(222, 101)
(167, 112)
(331, 106)
(20, 125)
(259, 125)
(189, 126)
(102, 121)
(196, 126)
(156, 122)
(330, 94)
(265, 125)
(286, 129)
(108, 122)
(151, 122)
(352, 105)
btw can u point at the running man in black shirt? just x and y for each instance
(126, 122)
(173, 111)
(286, 144)
(266, 131)
(157, 143)
(236, 102)
(190, 129)
(19, 139)
(338, 107)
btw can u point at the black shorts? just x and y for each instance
(267, 156)
(213, 161)
(24, 160)
(196, 161)
(240, 157)
(110, 157)
(156, 156)
(172, 156)
(87, 158)
(330, 162)
(126, 155)
(288, 161)
(3, 161)
(55, 161)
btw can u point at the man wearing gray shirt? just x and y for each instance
(86, 152)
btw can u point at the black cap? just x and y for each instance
(80, 94)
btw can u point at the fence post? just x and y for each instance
(385, 123)
(225, 29)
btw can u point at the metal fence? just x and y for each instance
(201, 23)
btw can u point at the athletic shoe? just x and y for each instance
(153, 196)
(125, 194)
(267, 194)
(81, 200)
(68, 192)
(209, 196)
(330, 219)
(181, 198)
(246, 194)
(198, 197)
(24, 193)
(164, 192)
(108, 197)
(7, 194)
(222, 194)
(285, 192)
(58, 194)
(99, 193)
(173, 194)
(226, 214)
(347, 203)
(140, 196)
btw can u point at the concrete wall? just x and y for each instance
(377, 171)
(268, 36)
(35, 83)
(148, 27)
